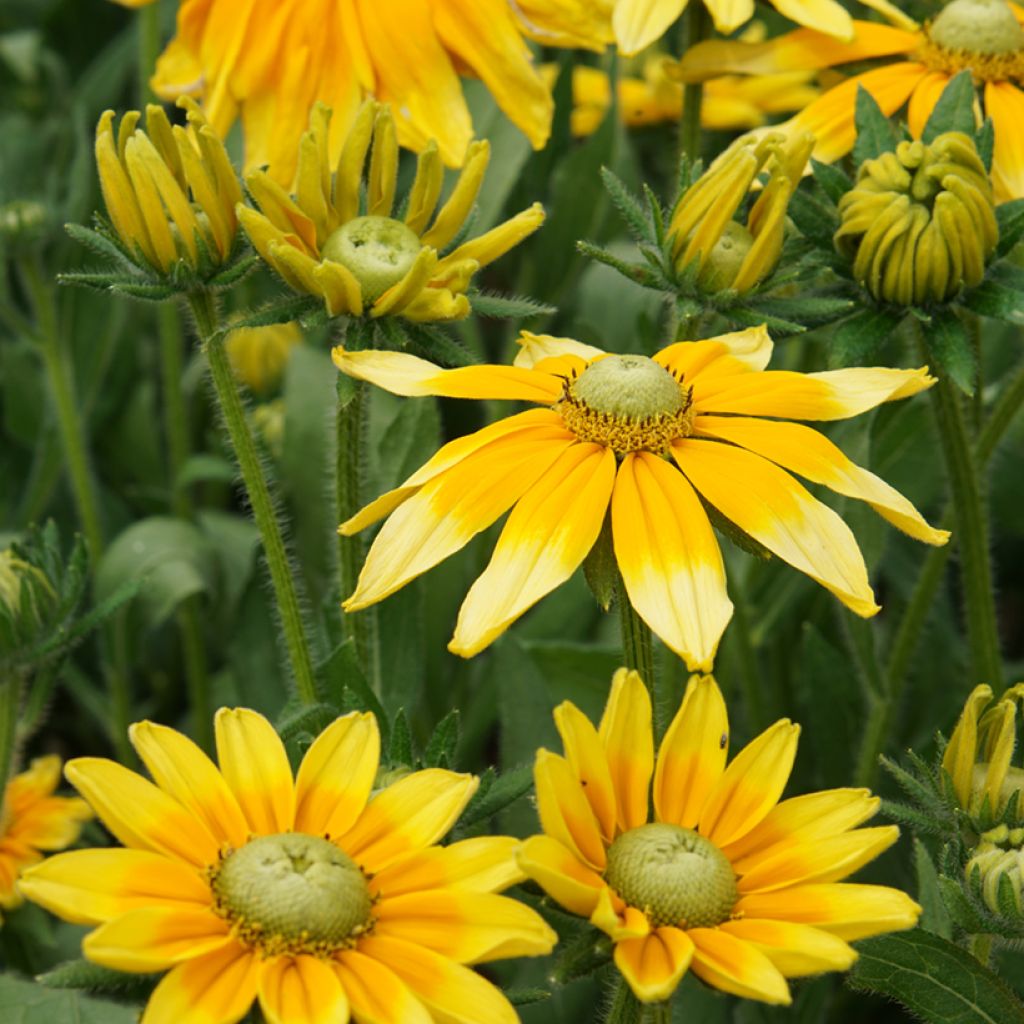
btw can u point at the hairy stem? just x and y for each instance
(696, 28)
(637, 649)
(624, 1008)
(10, 706)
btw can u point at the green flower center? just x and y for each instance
(726, 258)
(979, 26)
(672, 874)
(293, 893)
(378, 250)
(627, 403)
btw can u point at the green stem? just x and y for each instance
(637, 649)
(696, 28)
(625, 1008)
(660, 1013)
(149, 49)
(10, 705)
(202, 305)
(750, 673)
(175, 410)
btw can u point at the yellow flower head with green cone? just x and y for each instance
(646, 440)
(368, 260)
(979, 755)
(33, 821)
(729, 254)
(170, 192)
(320, 896)
(690, 864)
(983, 36)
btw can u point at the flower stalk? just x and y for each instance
(625, 1008)
(201, 302)
(637, 647)
(10, 705)
(695, 30)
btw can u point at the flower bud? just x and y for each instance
(919, 226)
(994, 871)
(27, 598)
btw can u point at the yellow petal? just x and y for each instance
(261, 231)
(158, 227)
(813, 456)
(118, 191)
(375, 994)
(728, 15)
(281, 210)
(92, 886)
(138, 814)
(586, 757)
(298, 269)
(435, 304)
(626, 732)
(426, 189)
(669, 558)
(336, 775)
(618, 921)
(823, 15)
(457, 208)
(564, 811)
(309, 190)
(491, 245)
(751, 785)
(638, 23)
(301, 990)
(403, 292)
(962, 750)
(481, 864)
(550, 531)
(253, 761)
(847, 910)
(738, 967)
(410, 814)
(403, 374)
(467, 927)
(184, 772)
(204, 191)
(774, 509)
(155, 938)
(795, 949)
(383, 176)
(169, 189)
(922, 101)
(728, 354)
(561, 874)
(1004, 103)
(211, 989)
(692, 755)
(349, 175)
(535, 347)
(654, 965)
(339, 287)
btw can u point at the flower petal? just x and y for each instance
(139, 814)
(454, 994)
(824, 15)
(923, 99)
(626, 731)
(183, 771)
(751, 785)
(618, 920)
(773, 508)
(253, 761)
(375, 993)
(795, 949)
(586, 757)
(805, 451)
(481, 864)
(534, 348)
(336, 775)
(155, 938)
(692, 755)
(738, 352)
(469, 927)
(669, 559)
(410, 814)
(637, 23)
(565, 813)
(1004, 103)
(547, 536)
(846, 909)
(962, 750)
(740, 968)
(301, 990)
(654, 965)
(561, 874)
(217, 988)
(92, 886)
(728, 15)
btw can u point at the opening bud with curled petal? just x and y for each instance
(919, 226)
(995, 872)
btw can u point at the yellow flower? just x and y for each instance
(635, 24)
(365, 260)
(268, 61)
(730, 102)
(170, 192)
(259, 355)
(979, 753)
(985, 36)
(721, 878)
(641, 438)
(33, 820)
(317, 895)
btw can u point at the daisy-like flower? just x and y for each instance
(268, 61)
(364, 260)
(318, 896)
(647, 440)
(691, 865)
(983, 36)
(34, 821)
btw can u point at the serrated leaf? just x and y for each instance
(281, 311)
(234, 272)
(951, 350)
(996, 299)
(960, 910)
(832, 179)
(508, 307)
(934, 979)
(440, 751)
(748, 316)
(438, 346)
(400, 750)
(857, 339)
(808, 311)
(814, 217)
(100, 245)
(630, 208)
(506, 788)
(875, 133)
(954, 111)
(96, 616)
(985, 141)
(657, 215)
(526, 996)
(340, 672)
(633, 271)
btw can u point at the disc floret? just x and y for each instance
(982, 35)
(379, 251)
(293, 893)
(675, 876)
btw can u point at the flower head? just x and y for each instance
(977, 758)
(687, 863)
(647, 440)
(363, 259)
(170, 192)
(259, 355)
(34, 821)
(317, 895)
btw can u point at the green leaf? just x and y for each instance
(954, 112)
(629, 206)
(875, 134)
(952, 350)
(1000, 295)
(506, 789)
(440, 752)
(101, 246)
(857, 339)
(280, 311)
(808, 311)
(25, 1002)
(985, 141)
(934, 917)
(342, 671)
(833, 180)
(508, 307)
(934, 979)
(97, 615)
(526, 996)
(1010, 217)
(642, 275)
(816, 219)
(89, 977)
(400, 751)
(205, 468)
